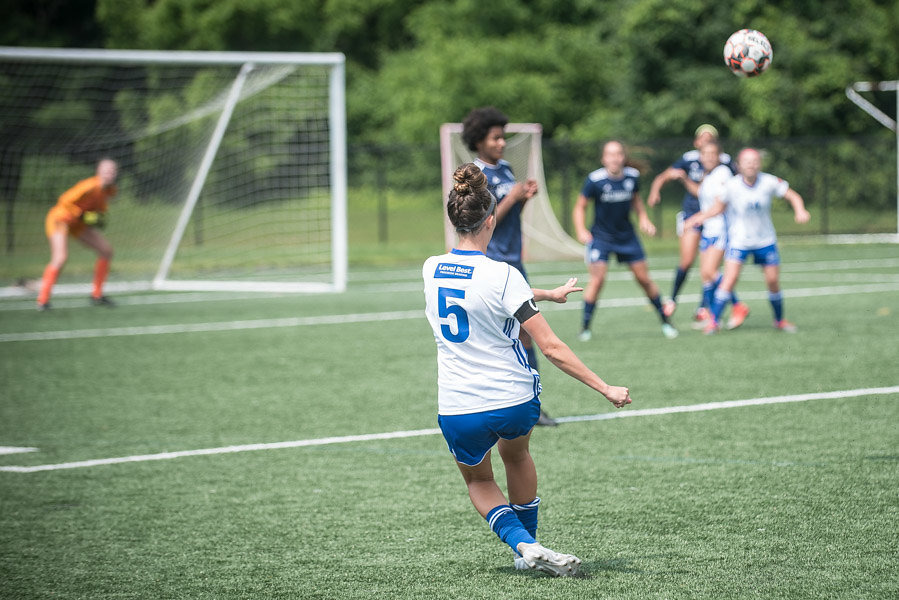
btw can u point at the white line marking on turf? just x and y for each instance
(387, 316)
(215, 326)
(425, 432)
(15, 450)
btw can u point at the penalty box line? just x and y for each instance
(646, 412)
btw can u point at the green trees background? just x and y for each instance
(645, 71)
(585, 69)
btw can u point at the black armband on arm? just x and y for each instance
(527, 310)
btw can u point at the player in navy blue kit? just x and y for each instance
(483, 131)
(614, 191)
(687, 167)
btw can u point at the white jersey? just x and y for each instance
(749, 210)
(470, 303)
(711, 189)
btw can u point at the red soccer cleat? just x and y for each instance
(737, 315)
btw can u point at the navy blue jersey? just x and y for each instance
(612, 204)
(505, 245)
(689, 162)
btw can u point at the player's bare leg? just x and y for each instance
(92, 238)
(59, 254)
(640, 269)
(592, 291)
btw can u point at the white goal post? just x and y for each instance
(233, 165)
(543, 238)
(852, 92)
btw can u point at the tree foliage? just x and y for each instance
(585, 69)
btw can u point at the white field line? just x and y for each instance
(16, 450)
(406, 280)
(647, 412)
(390, 316)
(215, 326)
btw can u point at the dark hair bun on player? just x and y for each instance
(470, 203)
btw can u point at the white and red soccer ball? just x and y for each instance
(748, 53)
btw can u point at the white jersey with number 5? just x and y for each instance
(712, 188)
(749, 210)
(470, 303)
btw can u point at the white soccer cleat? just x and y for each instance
(585, 335)
(535, 556)
(669, 331)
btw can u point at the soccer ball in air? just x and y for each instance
(748, 53)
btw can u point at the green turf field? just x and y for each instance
(790, 499)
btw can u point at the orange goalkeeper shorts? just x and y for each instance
(59, 216)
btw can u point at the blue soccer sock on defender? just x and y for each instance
(527, 514)
(777, 303)
(532, 357)
(680, 276)
(733, 293)
(708, 294)
(719, 301)
(507, 527)
(657, 302)
(588, 313)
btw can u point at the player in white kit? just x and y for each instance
(487, 392)
(747, 200)
(713, 242)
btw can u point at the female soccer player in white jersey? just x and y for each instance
(747, 200)
(686, 169)
(483, 131)
(713, 242)
(615, 192)
(487, 393)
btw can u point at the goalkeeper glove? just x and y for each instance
(94, 219)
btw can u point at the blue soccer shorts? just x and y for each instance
(470, 437)
(765, 257)
(598, 251)
(718, 241)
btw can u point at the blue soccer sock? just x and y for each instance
(527, 514)
(733, 293)
(507, 527)
(720, 300)
(680, 276)
(657, 302)
(532, 357)
(777, 303)
(708, 294)
(588, 313)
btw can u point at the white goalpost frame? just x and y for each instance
(335, 61)
(852, 92)
(540, 227)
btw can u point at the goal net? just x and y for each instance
(232, 166)
(542, 236)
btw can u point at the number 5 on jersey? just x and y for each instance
(444, 310)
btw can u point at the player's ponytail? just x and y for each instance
(470, 202)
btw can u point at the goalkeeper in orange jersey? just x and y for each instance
(80, 213)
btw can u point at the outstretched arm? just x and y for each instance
(559, 294)
(655, 190)
(565, 359)
(800, 214)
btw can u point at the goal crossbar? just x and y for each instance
(334, 115)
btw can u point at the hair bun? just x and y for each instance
(469, 178)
